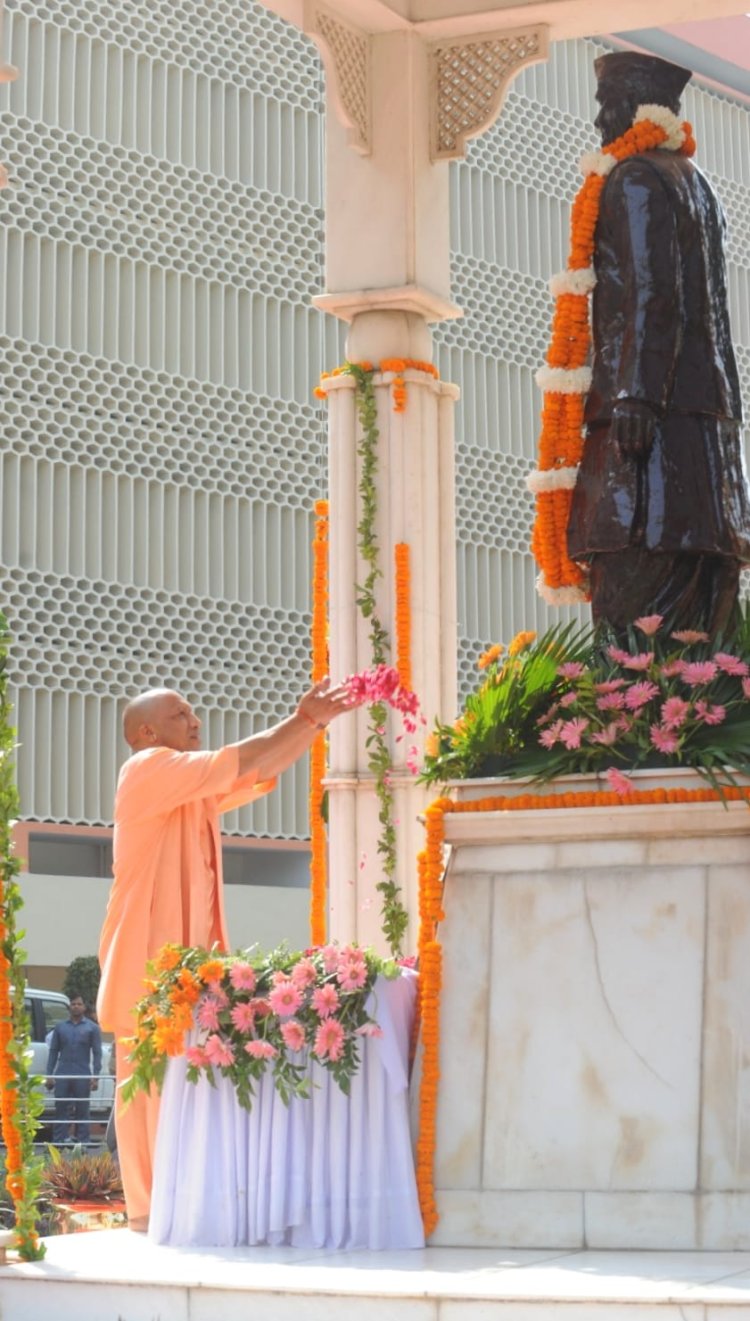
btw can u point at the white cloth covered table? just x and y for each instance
(328, 1171)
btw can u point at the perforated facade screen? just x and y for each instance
(161, 240)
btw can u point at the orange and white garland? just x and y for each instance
(318, 866)
(566, 379)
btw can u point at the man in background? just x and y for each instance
(74, 1044)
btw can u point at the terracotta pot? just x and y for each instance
(78, 1217)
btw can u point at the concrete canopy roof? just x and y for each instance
(565, 18)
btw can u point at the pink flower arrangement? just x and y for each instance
(665, 712)
(283, 1008)
(575, 703)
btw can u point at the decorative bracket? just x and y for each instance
(346, 53)
(469, 77)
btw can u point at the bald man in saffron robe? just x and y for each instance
(167, 867)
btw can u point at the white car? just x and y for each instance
(45, 1009)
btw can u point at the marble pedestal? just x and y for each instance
(595, 1041)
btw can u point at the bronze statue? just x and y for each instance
(660, 509)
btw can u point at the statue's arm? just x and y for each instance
(639, 221)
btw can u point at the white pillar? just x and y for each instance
(415, 505)
(401, 103)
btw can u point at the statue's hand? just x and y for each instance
(633, 428)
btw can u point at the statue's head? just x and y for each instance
(626, 79)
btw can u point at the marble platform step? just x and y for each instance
(115, 1275)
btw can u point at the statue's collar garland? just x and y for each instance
(566, 379)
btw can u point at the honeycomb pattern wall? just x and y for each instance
(161, 238)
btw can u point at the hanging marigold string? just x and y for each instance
(403, 612)
(396, 366)
(430, 868)
(318, 865)
(20, 1102)
(566, 379)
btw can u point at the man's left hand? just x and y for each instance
(633, 428)
(94, 1084)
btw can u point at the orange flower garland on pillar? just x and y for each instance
(566, 378)
(403, 613)
(318, 867)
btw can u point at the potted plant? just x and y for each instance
(84, 1189)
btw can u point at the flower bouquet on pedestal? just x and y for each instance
(252, 1012)
(574, 701)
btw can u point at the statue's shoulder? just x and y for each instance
(651, 172)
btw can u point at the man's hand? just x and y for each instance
(322, 703)
(50, 1084)
(633, 428)
(94, 1084)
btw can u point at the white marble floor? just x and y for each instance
(116, 1275)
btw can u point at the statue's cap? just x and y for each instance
(643, 77)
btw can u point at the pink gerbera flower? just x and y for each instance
(569, 699)
(571, 670)
(571, 732)
(617, 781)
(196, 1056)
(330, 957)
(352, 976)
(607, 736)
(243, 1017)
(551, 736)
(671, 668)
(218, 1051)
(285, 998)
(208, 1013)
(640, 662)
(242, 977)
(218, 994)
(640, 694)
(325, 1000)
(304, 973)
(731, 664)
(649, 624)
(674, 712)
(611, 701)
(261, 1050)
(293, 1034)
(689, 635)
(746, 687)
(618, 655)
(329, 1040)
(696, 672)
(609, 685)
(369, 1030)
(712, 715)
(664, 740)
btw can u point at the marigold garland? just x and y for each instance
(318, 865)
(401, 554)
(566, 378)
(20, 1102)
(396, 366)
(430, 868)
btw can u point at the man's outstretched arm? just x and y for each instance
(279, 747)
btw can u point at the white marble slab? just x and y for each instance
(516, 1219)
(594, 1047)
(725, 1137)
(464, 1022)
